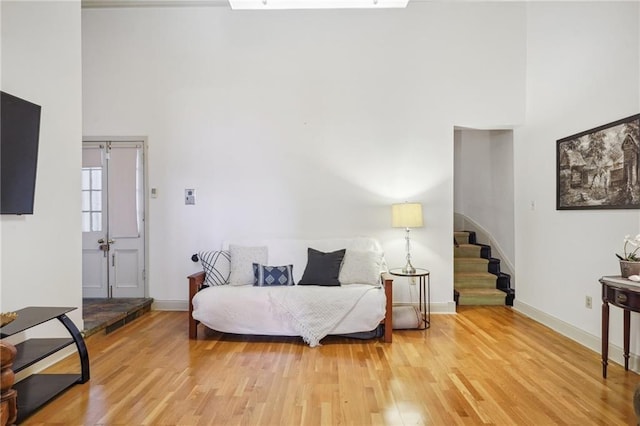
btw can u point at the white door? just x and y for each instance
(113, 219)
(94, 222)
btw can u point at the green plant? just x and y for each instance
(630, 256)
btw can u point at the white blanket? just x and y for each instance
(249, 310)
(312, 311)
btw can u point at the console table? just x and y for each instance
(624, 294)
(38, 389)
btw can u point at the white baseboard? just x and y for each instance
(170, 305)
(443, 308)
(616, 353)
(436, 308)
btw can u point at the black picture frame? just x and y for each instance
(600, 167)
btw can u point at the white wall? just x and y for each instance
(300, 123)
(582, 72)
(483, 185)
(40, 260)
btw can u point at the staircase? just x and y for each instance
(477, 279)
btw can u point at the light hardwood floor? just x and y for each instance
(482, 366)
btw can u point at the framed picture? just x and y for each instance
(600, 168)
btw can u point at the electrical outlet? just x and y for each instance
(588, 303)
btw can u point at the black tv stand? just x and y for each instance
(37, 389)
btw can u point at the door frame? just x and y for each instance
(145, 213)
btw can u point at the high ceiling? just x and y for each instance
(199, 3)
(153, 3)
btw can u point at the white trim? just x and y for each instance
(443, 308)
(248, 4)
(153, 3)
(436, 308)
(87, 4)
(170, 305)
(616, 353)
(316, 4)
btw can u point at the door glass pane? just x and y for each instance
(96, 200)
(86, 222)
(86, 179)
(92, 198)
(123, 192)
(96, 178)
(96, 221)
(86, 201)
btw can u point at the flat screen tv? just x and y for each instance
(19, 134)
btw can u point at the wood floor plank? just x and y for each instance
(483, 366)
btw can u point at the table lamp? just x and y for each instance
(407, 215)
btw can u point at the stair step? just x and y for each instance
(481, 297)
(111, 314)
(470, 264)
(467, 250)
(461, 237)
(474, 280)
(504, 282)
(494, 266)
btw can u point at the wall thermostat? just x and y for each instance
(189, 196)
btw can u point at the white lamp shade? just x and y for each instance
(406, 215)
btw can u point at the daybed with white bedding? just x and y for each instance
(236, 292)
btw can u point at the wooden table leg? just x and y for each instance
(627, 322)
(605, 337)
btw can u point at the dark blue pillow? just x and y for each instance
(322, 268)
(272, 275)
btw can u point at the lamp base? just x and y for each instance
(408, 269)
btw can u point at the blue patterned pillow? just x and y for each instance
(272, 275)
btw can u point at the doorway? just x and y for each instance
(484, 190)
(113, 216)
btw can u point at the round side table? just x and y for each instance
(424, 285)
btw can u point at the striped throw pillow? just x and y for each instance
(216, 265)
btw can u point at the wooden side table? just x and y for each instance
(424, 285)
(624, 294)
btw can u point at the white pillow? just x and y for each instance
(360, 267)
(242, 260)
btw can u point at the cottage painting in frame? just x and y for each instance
(599, 168)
